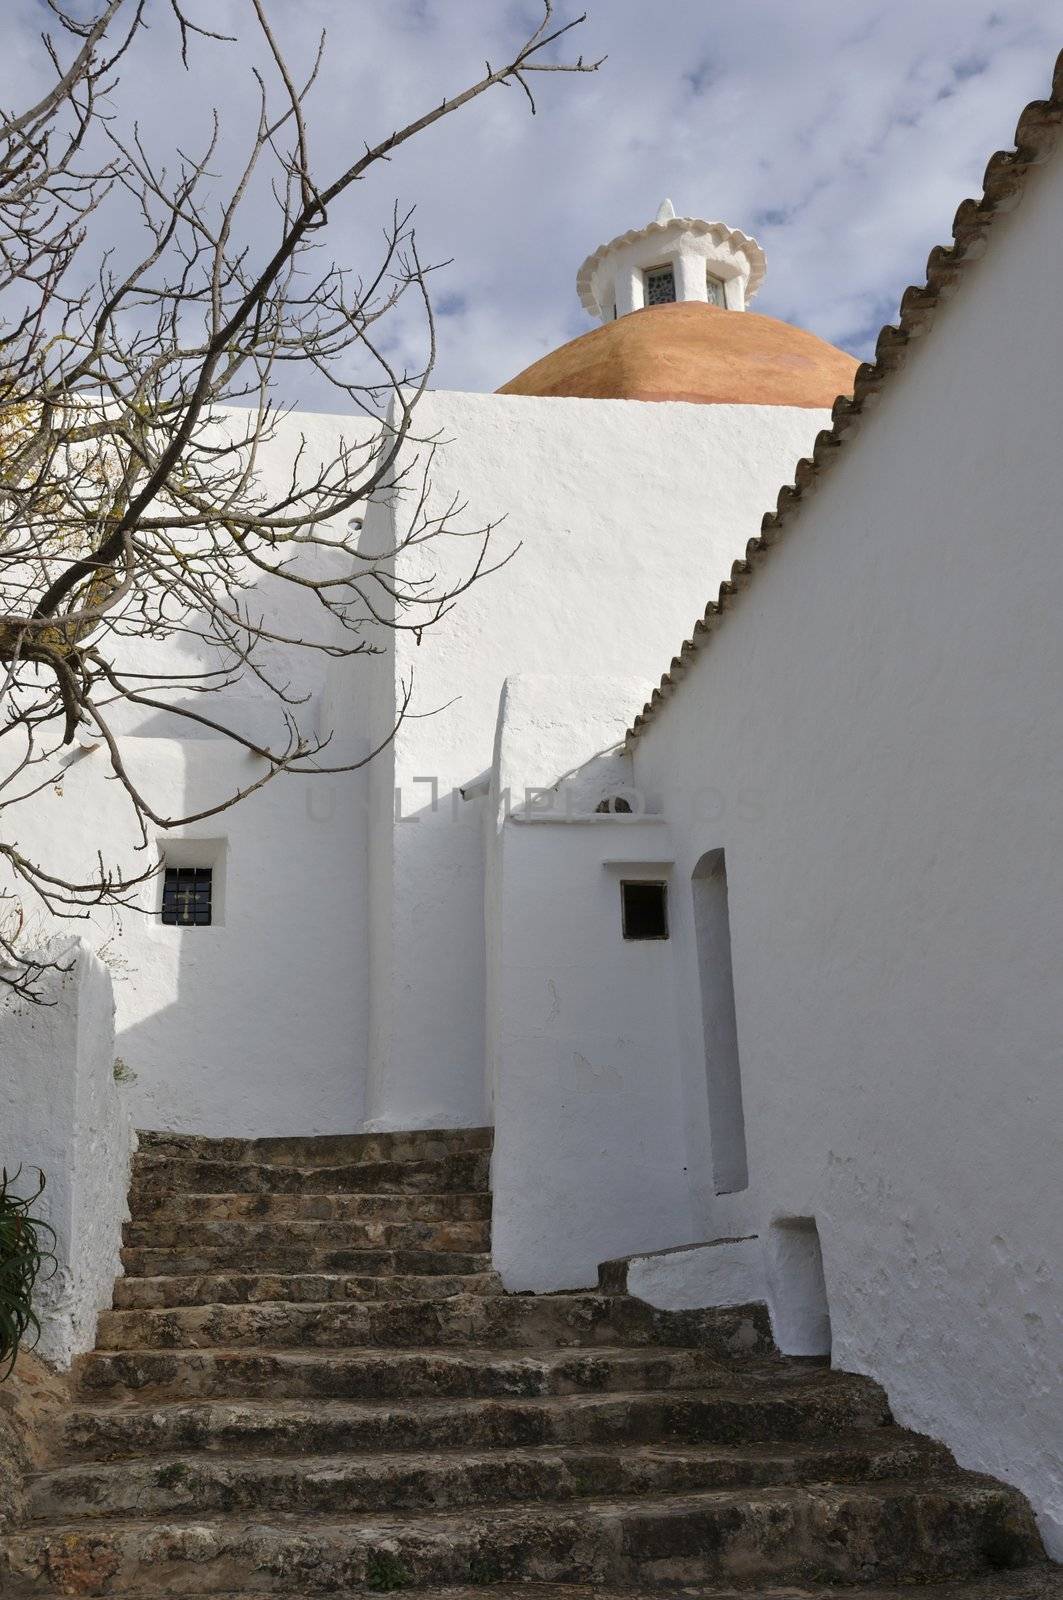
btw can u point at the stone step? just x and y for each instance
(330, 1149)
(515, 1321)
(1043, 1582)
(453, 1207)
(236, 1288)
(141, 1262)
(872, 1533)
(771, 1402)
(391, 1374)
(177, 1485)
(465, 1172)
(244, 1235)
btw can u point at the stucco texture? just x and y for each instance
(258, 1023)
(613, 514)
(589, 1157)
(65, 1115)
(887, 696)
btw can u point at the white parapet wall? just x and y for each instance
(718, 1272)
(63, 1114)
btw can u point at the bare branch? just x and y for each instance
(148, 562)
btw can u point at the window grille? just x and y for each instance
(644, 910)
(660, 286)
(186, 896)
(716, 293)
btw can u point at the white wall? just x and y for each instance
(721, 1272)
(589, 1160)
(64, 1114)
(620, 510)
(873, 735)
(257, 1024)
(261, 1023)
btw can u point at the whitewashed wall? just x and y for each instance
(64, 1115)
(589, 1157)
(621, 511)
(257, 1024)
(873, 736)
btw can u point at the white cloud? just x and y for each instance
(845, 145)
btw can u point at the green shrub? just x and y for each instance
(485, 1569)
(25, 1250)
(384, 1572)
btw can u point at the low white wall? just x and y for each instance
(721, 1272)
(872, 735)
(61, 1111)
(588, 1155)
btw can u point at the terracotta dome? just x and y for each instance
(695, 352)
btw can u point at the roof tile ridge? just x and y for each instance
(1036, 138)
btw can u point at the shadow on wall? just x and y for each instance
(797, 1288)
(712, 927)
(247, 1016)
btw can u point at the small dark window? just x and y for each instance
(615, 805)
(645, 910)
(660, 286)
(186, 896)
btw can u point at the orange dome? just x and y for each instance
(695, 352)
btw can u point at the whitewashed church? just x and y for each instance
(719, 870)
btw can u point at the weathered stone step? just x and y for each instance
(244, 1235)
(516, 1321)
(872, 1533)
(142, 1262)
(330, 1149)
(313, 1384)
(452, 1207)
(779, 1402)
(1043, 1582)
(177, 1485)
(398, 1374)
(237, 1288)
(465, 1172)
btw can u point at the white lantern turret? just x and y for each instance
(672, 258)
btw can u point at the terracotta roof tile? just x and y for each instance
(1005, 177)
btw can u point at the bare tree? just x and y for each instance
(133, 510)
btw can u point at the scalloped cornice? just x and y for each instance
(664, 230)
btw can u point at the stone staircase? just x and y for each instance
(313, 1384)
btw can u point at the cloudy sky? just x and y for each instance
(842, 136)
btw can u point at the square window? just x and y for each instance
(717, 295)
(186, 896)
(660, 286)
(644, 909)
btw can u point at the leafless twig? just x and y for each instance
(134, 514)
